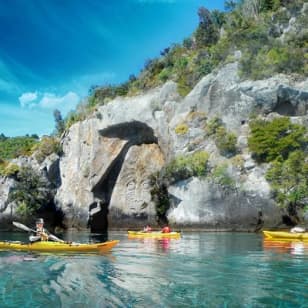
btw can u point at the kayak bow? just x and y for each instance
(59, 247)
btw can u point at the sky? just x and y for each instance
(53, 51)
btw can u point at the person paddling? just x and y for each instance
(166, 229)
(41, 233)
(147, 228)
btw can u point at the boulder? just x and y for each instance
(203, 204)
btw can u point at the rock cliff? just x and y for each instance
(108, 158)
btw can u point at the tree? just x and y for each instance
(2, 137)
(230, 5)
(269, 140)
(60, 124)
(289, 182)
(207, 32)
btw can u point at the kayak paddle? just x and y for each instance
(23, 227)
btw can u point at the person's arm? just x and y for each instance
(43, 234)
(34, 238)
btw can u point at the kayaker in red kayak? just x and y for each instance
(166, 229)
(41, 233)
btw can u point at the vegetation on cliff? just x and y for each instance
(30, 193)
(283, 145)
(12, 147)
(265, 36)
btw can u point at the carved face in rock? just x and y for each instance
(131, 193)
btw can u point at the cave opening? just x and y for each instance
(135, 133)
(285, 108)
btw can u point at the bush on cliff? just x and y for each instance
(8, 169)
(224, 140)
(30, 193)
(289, 182)
(255, 28)
(283, 144)
(269, 140)
(47, 146)
(186, 166)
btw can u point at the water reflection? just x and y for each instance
(292, 247)
(98, 237)
(198, 270)
(155, 245)
(8, 258)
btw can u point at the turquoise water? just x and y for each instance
(199, 270)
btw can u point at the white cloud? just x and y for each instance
(26, 98)
(49, 101)
(63, 103)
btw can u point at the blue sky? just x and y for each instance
(52, 51)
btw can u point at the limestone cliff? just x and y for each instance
(108, 158)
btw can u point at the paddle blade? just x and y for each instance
(21, 226)
(53, 237)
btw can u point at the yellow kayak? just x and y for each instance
(284, 235)
(59, 247)
(153, 234)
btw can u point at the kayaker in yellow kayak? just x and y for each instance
(147, 228)
(41, 233)
(166, 229)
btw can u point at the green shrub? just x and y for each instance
(225, 142)
(185, 166)
(47, 146)
(11, 170)
(289, 182)
(269, 140)
(16, 146)
(221, 176)
(213, 125)
(238, 161)
(30, 193)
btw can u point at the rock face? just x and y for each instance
(108, 158)
(99, 153)
(131, 197)
(201, 203)
(103, 175)
(6, 211)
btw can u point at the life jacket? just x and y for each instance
(166, 230)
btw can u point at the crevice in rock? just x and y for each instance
(136, 133)
(285, 108)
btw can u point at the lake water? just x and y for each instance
(199, 270)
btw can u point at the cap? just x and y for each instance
(39, 221)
